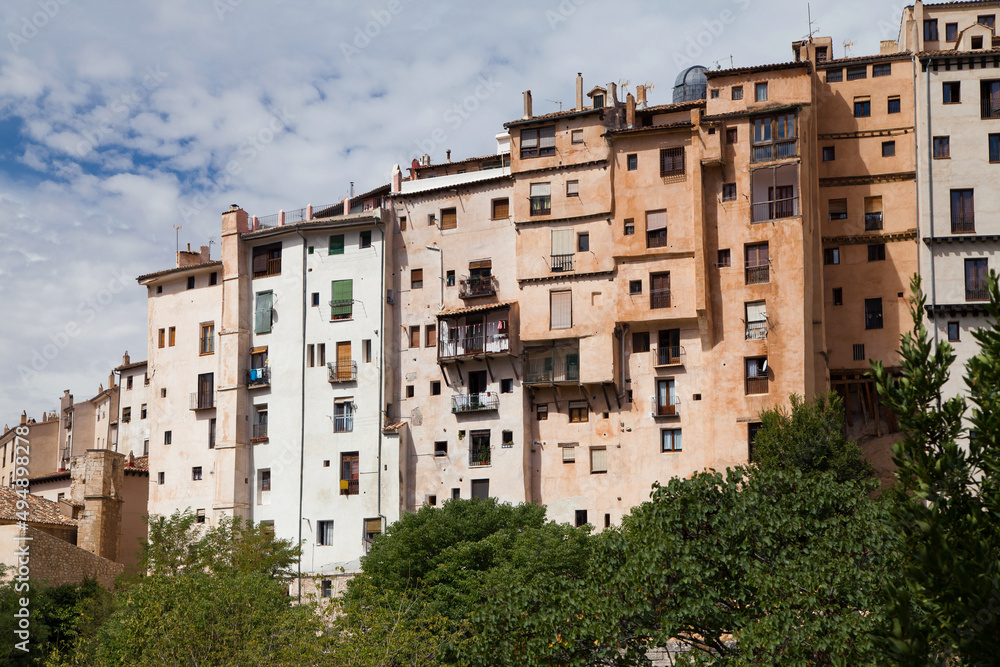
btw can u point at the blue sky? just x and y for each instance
(119, 121)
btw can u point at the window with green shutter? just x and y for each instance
(337, 244)
(264, 314)
(342, 301)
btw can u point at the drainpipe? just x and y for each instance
(302, 419)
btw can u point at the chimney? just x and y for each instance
(527, 104)
(579, 91)
(640, 92)
(397, 178)
(111, 380)
(24, 417)
(630, 111)
(447, 154)
(125, 359)
(612, 94)
(235, 220)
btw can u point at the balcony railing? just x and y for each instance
(477, 402)
(775, 209)
(873, 221)
(343, 371)
(351, 487)
(273, 269)
(659, 298)
(990, 108)
(976, 294)
(562, 262)
(757, 384)
(490, 338)
(259, 377)
(259, 432)
(669, 355)
(779, 150)
(756, 330)
(477, 286)
(667, 410)
(963, 224)
(656, 239)
(479, 454)
(204, 401)
(541, 370)
(343, 423)
(758, 275)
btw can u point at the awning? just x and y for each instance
(258, 350)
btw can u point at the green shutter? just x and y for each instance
(262, 321)
(337, 244)
(343, 299)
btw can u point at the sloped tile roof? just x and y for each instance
(39, 509)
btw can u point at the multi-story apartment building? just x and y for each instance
(266, 379)
(133, 409)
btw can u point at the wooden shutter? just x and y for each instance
(501, 209)
(481, 264)
(561, 315)
(599, 460)
(659, 282)
(547, 138)
(265, 301)
(260, 260)
(449, 219)
(344, 361)
(342, 297)
(337, 244)
(562, 241)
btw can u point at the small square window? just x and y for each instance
(876, 252)
(838, 296)
(888, 148)
(635, 287)
(583, 242)
(893, 105)
(831, 256)
(951, 92)
(576, 136)
(862, 107)
(579, 412)
(436, 388)
(196, 473)
(976, 42)
(760, 92)
(568, 453)
(507, 386)
(953, 332)
(640, 341)
(633, 161)
(829, 153)
(725, 258)
(159, 289)
(409, 391)
(715, 93)
(838, 209)
(942, 147)
(542, 412)
(629, 229)
(441, 448)
(728, 191)
(572, 188)
(737, 92)
(160, 477)
(190, 282)
(732, 135)
(501, 209)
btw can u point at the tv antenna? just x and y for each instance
(718, 63)
(559, 102)
(847, 48)
(812, 29)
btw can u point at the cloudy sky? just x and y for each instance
(120, 121)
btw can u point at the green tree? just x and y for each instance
(809, 438)
(947, 501)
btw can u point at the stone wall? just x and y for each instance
(54, 561)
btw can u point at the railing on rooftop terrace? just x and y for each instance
(290, 217)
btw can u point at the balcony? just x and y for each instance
(659, 298)
(204, 401)
(873, 221)
(349, 487)
(343, 423)
(756, 384)
(669, 355)
(775, 209)
(975, 293)
(271, 268)
(990, 108)
(963, 224)
(562, 262)
(475, 287)
(479, 454)
(668, 410)
(559, 362)
(779, 150)
(258, 433)
(474, 339)
(258, 377)
(478, 402)
(758, 275)
(756, 330)
(343, 371)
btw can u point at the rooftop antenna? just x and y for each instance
(847, 47)
(177, 238)
(812, 30)
(559, 102)
(718, 63)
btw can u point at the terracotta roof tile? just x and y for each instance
(39, 509)
(453, 312)
(899, 55)
(395, 427)
(712, 74)
(179, 269)
(140, 463)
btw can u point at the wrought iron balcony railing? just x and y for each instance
(258, 377)
(669, 355)
(562, 262)
(775, 209)
(475, 287)
(476, 402)
(343, 371)
(758, 275)
(756, 330)
(756, 384)
(779, 150)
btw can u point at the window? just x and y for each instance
(128, 383)
(449, 279)
(951, 92)
(576, 136)
(666, 397)
(142, 411)
(583, 242)
(857, 72)
(542, 412)
(930, 30)
(342, 300)
(873, 313)
(580, 517)
(731, 135)
(976, 271)
(728, 191)
(876, 252)
(598, 460)
(737, 92)
(989, 98)
(409, 391)
(416, 278)
(834, 75)
(942, 147)
(838, 209)
(161, 338)
(632, 160)
(986, 20)
(888, 148)
(672, 161)
(873, 213)
(831, 256)
(568, 452)
(207, 341)
(349, 474)
(953, 332)
(402, 223)
(264, 314)
(321, 354)
(859, 352)
(838, 296)
(821, 54)
(540, 141)
(430, 335)
(336, 246)
(659, 290)
(756, 375)
(862, 107)
(640, 341)
(365, 239)
(561, 310)
(656, 229)
(172, 336)
(715, 93)
(449, 218)
(758, 268)
(500, 208)
(976, 42)
(893, 105)
(635, 287)
(507, 386)
(436, 388)
(541, 199)
(951, 32)
(206, 391)
(760, 92)
(190, 282)
(572, 188)
(963, 212)
(579, 412)
(372, 528)
(211, 433)
(343, 416)
(670, 440)
(629, 227)
(724, 258)
(196, 474)
(756, 320)
(315, 298)
(265, 480)
(160, 477)
(994, 147)
(881, 69)
(507, 438)
(267, 260)
(479, 448)
(126, 415)
(829, 153)
(324, 538)
(480, 488)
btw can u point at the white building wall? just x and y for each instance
(134, 433)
